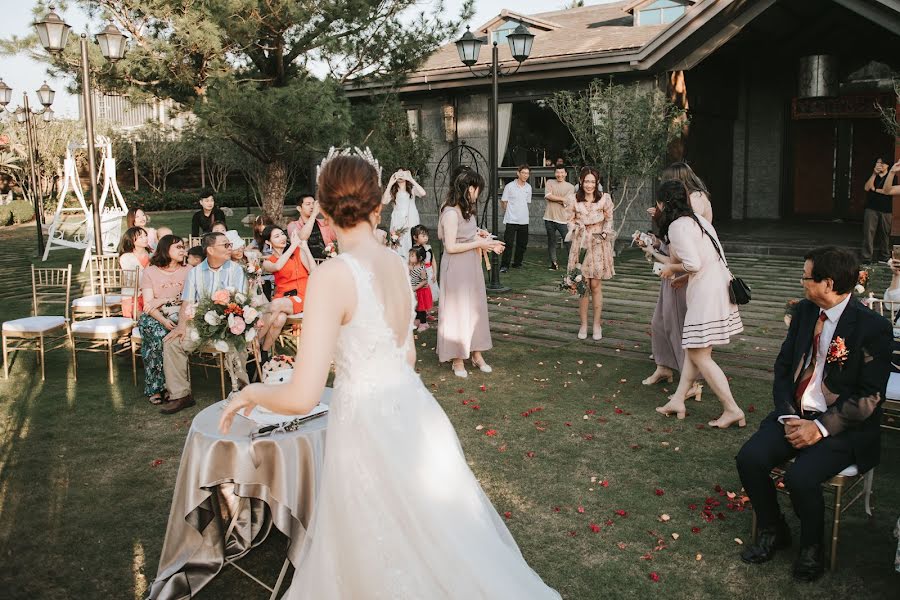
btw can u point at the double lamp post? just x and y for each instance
(520, 43)
(54, 34)
(24, 116)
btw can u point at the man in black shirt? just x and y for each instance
(207, 215)
(877, 217)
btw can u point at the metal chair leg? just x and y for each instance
(222, 373)
(41, 355)
(110, 360)
(836, 524)
(5, 360)
(133, 365)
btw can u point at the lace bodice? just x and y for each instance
(367, 349)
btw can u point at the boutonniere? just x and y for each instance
(837, 352)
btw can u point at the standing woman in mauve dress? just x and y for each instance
(463, 328)
(591, 227)
(711, 317)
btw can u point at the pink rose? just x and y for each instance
(221, 297)
(237, 326)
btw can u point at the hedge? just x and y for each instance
(182, 199)
(17, 211)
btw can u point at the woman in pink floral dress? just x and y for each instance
(591, 230)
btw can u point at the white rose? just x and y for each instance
(250, 334)
(231, 320)
(250, 314)
(859, 289)
(212, 318)
(578, 278)
(221, 346)
(240, 298)
(231, 290)
(194, 335)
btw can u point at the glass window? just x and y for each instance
(662, 4)
(670, 14)
(660, 13)
(500, 34)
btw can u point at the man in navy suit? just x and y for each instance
(830, 380)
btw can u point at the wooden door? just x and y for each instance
(813, 167)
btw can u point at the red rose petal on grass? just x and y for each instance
(604, 483)
(587, 436)
(654, 576)
(580, 509)
(590, 411)
(573, 533)
(568, 424)
(466, 402)
(692, 506)
(658, 492)
(507, 514)
(621, 513)
(556, 509)
(156, 463)
(695, 530)
(701, 426)
(720, 516)
(460, 391)
(610, 522)
(483, 388)
(475, 407)
(491, 432)
(718, 488)
(751, 408)
(619, 411)
(647, 556)
(595, 528)
(529, 454)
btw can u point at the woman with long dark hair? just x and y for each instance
(711, 318)
(137, 217)
(161, 286)
(591, 230)
(463, 328)
(133, 256)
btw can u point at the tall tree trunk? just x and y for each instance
(273, 186)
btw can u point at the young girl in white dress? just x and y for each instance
(403, 190)
(420, 238)
(398, 512)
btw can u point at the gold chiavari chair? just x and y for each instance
(41, 333)
(108, 334)
(92, 304)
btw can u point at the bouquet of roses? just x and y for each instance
(574, 281)
(226, 320)
(393, 238)
(331, 250)
(252, 270)
(863, 283)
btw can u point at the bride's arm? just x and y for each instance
(330, 297)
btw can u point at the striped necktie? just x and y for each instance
(807, 374)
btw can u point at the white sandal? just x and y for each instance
(461, 373)
(598, 333)
(483, 367)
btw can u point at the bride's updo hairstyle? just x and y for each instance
(349, 190)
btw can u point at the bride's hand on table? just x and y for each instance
(242, 401)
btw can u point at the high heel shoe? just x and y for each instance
(656, 378)
(719, 424)
(667, 411)
(598, 333)
(696, 392)
(482, 366)
(582, 333)
(461, 372)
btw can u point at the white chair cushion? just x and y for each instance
(893, 387)
(33, 324)
(103, 326)
(96, 301)
(851, 471)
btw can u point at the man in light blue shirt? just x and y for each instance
(215, 273)
(515, 200)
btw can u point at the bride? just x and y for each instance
(398, 513)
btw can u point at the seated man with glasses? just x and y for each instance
(215, 273)
(829, 385)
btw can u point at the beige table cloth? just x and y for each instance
(277, 474)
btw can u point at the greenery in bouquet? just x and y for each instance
(574, 281)
(226, 320)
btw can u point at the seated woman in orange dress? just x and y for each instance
(291, 265)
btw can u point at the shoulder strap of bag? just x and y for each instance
(713, 240)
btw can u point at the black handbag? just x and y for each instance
(738, 290)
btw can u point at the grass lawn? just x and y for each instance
(87, 471)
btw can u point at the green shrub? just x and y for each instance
(5, 215)
(22, 211)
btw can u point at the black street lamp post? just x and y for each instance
(24, 116)
(54, 33)
(469, 46)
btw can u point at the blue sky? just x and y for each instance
(21, 73)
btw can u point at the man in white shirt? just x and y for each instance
(515, 200)
(829, 383)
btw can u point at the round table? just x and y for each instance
(229, 493)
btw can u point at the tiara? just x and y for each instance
(364, 154)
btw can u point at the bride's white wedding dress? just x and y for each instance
(399, 514)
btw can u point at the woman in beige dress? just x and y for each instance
(463, 328)
(591, 230)
(711, 317)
